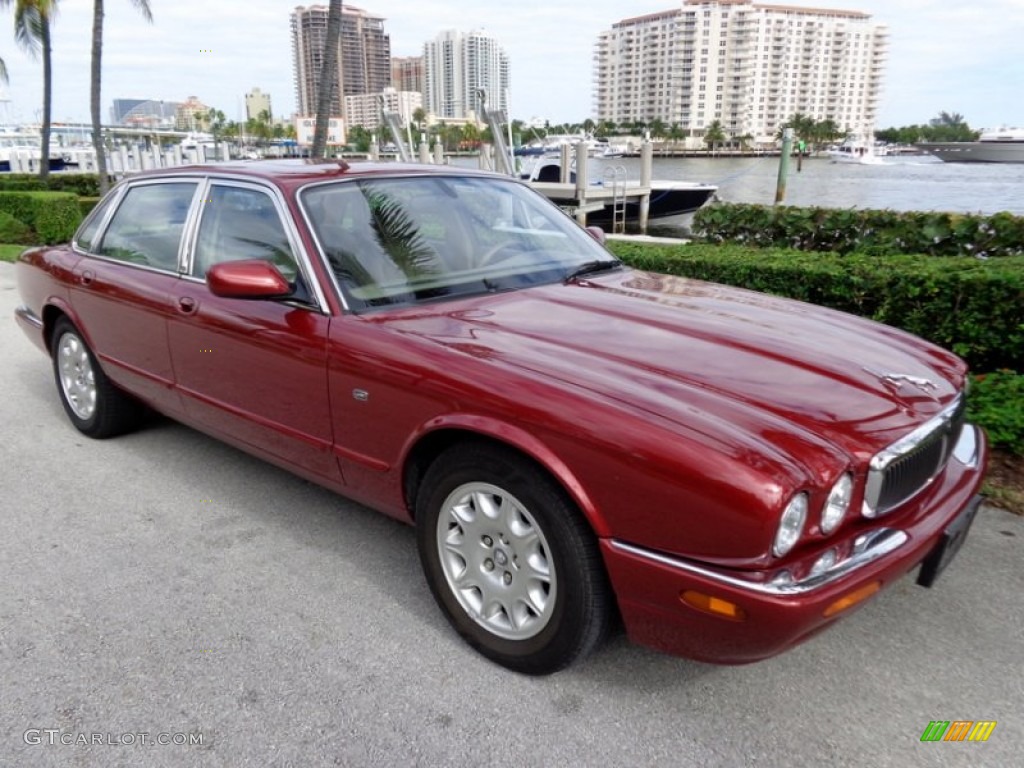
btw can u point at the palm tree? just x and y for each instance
(216, 121)
(32, 31)
(328, 79)
(714, 135)
(96, 77)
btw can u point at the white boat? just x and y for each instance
(856, 150)
(608, 151)
(554, 142)
(21, 150)
(1002, 145)
(668, 198)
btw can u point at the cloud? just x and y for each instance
(958, 57)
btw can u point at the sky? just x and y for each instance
(943, 56)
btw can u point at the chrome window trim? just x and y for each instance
(321, 254)
(897, 450)
(867, 548)
(291, 232)
(114, 198)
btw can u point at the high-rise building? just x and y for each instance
(367, 110)
(257, 102)
(407, 73)
(456, 64)
(748, 65)
(364, 55)
(192, 115)
(143, 113)
(122, 107)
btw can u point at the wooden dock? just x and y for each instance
(574, 193)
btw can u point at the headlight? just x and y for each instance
(837, 504)
(791, 524)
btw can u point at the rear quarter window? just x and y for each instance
(85, 238)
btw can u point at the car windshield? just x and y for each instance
(401, 241)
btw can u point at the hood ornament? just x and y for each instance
(897, 380)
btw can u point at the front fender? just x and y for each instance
(521, 440)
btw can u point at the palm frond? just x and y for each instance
(144, 9)
(399, 236)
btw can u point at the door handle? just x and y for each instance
(86, 277)
(187, 305)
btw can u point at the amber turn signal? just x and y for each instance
(716, 606)
(850, 600)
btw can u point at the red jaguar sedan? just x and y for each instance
(576, 442)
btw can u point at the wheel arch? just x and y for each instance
(426, 446)
(54, 311)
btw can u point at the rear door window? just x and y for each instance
(148, 225)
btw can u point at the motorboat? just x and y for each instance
(1002, 145)
(529, 150)
(606, 150)
(668, 198)
(856, 150)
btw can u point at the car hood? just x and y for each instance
(708, 356)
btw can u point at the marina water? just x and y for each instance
(908, 183)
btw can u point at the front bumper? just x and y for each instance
(778, 610)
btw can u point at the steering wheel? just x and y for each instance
(500, 252)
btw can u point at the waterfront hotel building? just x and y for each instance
(748, 65)
(364, 56)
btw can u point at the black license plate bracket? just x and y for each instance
(952, 539)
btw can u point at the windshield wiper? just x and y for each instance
(590, 267)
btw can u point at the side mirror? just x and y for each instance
(597, 233)
(249, 279)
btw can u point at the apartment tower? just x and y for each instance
(407, 73)
(364, 56)
(455, 65)
(751, 66)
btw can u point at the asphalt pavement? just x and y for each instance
(163, 587)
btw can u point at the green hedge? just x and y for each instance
(973, 307)
(996, 402)
(14, 231)
(862, 231)
(86, 204)
(82, 184)
(53, 216)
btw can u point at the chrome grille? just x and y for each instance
(907, 466)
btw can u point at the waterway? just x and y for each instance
(910, 183)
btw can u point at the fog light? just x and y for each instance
(716, 606)
(850, 600)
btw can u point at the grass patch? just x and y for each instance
(11, 252)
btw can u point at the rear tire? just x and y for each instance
(93, 404)
(510, 559)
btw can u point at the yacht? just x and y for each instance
(1002, 145)
(668, 198)
(24, 146)
(856, 150)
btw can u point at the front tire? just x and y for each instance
(510, 560)
(93, 404)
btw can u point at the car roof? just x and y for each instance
(293, 173)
